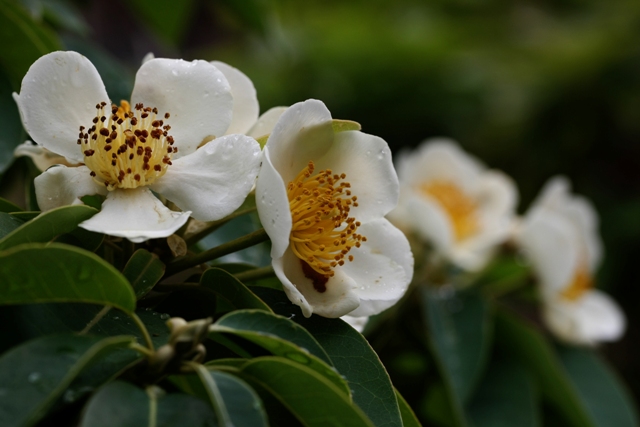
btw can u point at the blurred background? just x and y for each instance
(534, 88)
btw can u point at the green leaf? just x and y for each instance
(352, 356)
(25, 215)
(506, 397)
(124, 405)
(12, 133)
(143, 271)
(29, 41)
(534, 352)
(313, 399)
(82, 238)
(409, 418)
(343, 125)
(231, 289)
(7, 206)
(48, 225)
(459, 336)
(60, 273)
(281, 337)
(34, 375)
(8, 223)
(604, 396)
(234, 402)
(169, 19)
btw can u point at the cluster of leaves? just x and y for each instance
(69, 361)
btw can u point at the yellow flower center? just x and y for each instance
(323, 233)
(126, 149)
(460, 208)
(582, 282)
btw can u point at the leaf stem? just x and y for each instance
(255, 274)
(96, 319)
(243, 242)
(213, 225)
(143, 329)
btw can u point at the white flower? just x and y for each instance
(357, 323)
(322, 197)
(130, 152)
(560, 238)
(452, 201)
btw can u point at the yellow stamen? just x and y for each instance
(126, 149)
(323, 233)
(460, 208)
(582, 282)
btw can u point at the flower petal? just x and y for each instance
(357, 323)
(381, 268)
(136, 215)
(337, 300)
(302, 133)
(430, 221)
(266, 122)
(366, 160)
(591, 319)
(42, 158)
(213, 181)
(273, 206)
(245, 100)
(59, 94)
(196, 94)
(62, 186)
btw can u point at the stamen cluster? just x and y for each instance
(581, 283)
(127, 149)
(323, 233)
(460, 207)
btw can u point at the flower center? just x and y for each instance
(460, 208)
(323, 233)
(126, 149)
(581, 283)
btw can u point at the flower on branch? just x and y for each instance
(322, 196)
(559, 236)
(454, 203)
(169, 140)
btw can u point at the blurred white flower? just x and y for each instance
(127, 152)
(322, 196)
(560, 238)
(453, 202)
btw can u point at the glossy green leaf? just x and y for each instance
(29, 41)
(281, 337)
(231, 289)
(459, 336)
(12, 133)
(7, 206)
(143, 271)
(234, 402)
(34, 375)
(60, 273)
(8, 223)
(604, 396)
(313, 399)
(48, 225)
(124, 405)
(351, 355)
(82, 238)
(534, 352)
(505, 397)
(409, 418)
(25, 215)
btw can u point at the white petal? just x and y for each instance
(213, 181)
(136, 215)
(59, 94)
(196, 94)
(273, 206)
(42, 158)
(148, 57)
(551, 245)
(497, 196)
(245, 100)
(366, 160)
(303, 133)
(337, 300)
(593, 318)
(381, 268)
(62, 186)
(357, 323)
(430, 221)
(266, 122)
